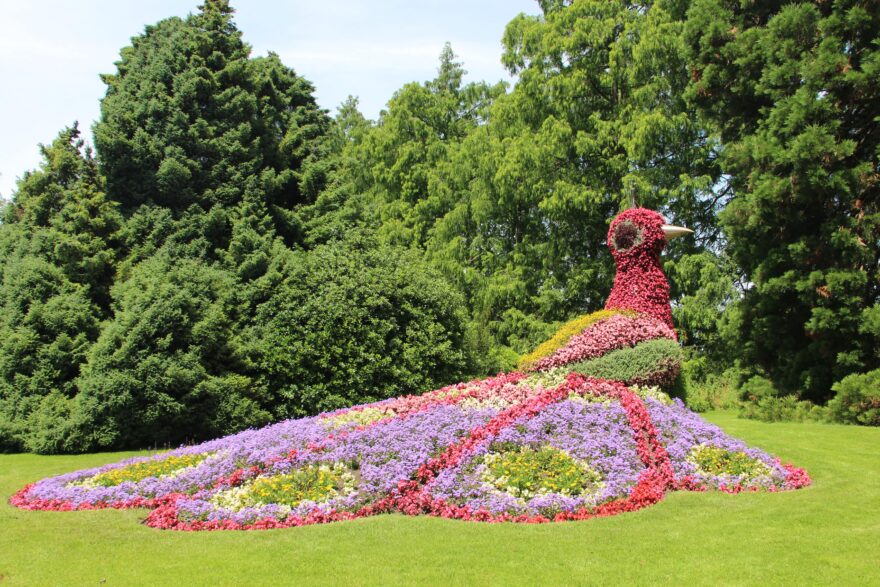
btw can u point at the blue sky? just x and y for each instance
(51, 52)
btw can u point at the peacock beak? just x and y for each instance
(670, 232)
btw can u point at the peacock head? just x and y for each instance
(639, 232)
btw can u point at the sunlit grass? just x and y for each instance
(826, 534)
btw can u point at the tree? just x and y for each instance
(189, 119)
(58, 251)
(404, 161)
(210, 154)
(596, 119)
(163, 370)
(792, 92)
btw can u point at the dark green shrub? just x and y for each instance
(653, 362)
(160, 371)
(857, 400)
(757, 388)
(355, 322)
(760, 400)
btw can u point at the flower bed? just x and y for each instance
(615, 332)
(503, 449)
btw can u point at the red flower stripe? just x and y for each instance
(21, 500)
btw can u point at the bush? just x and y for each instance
(857, 400)
(783, 409)
(653, 362)
(356, 322)
(162, 370)
(756, 389)
(704, 390)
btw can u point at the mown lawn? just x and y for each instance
(826, 534)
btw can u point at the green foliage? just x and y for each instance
(352, 322)
(704, 388)
(509, 195)
(757, 388)
(703, 284)
(784, 409)
(189, 119)
(761, 400)
(653, 362)
(57, 261)
(164, 370)
(857, 400)
(792, 92)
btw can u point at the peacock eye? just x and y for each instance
(626, 235)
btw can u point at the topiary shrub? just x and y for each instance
(653, 362)
(857, 400)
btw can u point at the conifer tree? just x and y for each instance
(57, 262)
(189, 118)
(792, 91)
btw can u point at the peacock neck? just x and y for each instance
(640, 285)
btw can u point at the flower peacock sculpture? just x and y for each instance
(582, 429)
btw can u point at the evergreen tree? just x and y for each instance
(342, 207)
(57, 261)
(189, 119)
(163, 371)
(210, 153)
(792, 91)
(407, 157)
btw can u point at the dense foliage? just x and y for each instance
(152, 295)
(653, 362)
(351, 322)
(792, 92)
(857, 399)
(57, 260)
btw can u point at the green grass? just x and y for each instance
(826, 534)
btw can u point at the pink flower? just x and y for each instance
(613, 333)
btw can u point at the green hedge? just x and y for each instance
(653, 362)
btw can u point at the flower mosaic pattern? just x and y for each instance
(501, 449)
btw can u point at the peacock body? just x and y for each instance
(582, 429)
